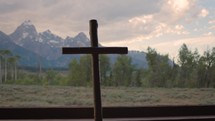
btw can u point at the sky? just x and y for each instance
(161, 24)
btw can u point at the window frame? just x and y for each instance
(196, 111)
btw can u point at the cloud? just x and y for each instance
(8, 6)
(179, 7)
(203, 13)
(208, 34)
(201, 43)
(171, 47)
(69, 17)
(136, 21)
(211, 22)
(212, 27)
(163, 22)
(72, 15)
(140, 29)
(176, 10)
(107, 11)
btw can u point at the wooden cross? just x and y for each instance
(95, 51)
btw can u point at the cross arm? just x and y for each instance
(95, 50)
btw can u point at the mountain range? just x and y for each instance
(46, 48)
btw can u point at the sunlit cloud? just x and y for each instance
(174, 10)
(179, 6)
(208, 34)
(203, 13)
(163, 22)
(211, 22)
(212, 27)
(201, 43)
(136, 21)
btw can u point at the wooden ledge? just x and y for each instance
(159, 112)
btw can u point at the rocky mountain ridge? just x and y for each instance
(45, 47)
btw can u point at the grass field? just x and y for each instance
(65, 96)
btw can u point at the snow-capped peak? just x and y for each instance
(49, 35)
(81, 34)
(26, 32)
(27, 26)
(81, 37)
(27, 23)
(68, 37)
(47, 31)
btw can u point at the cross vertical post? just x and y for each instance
(95, 50)
(95, 63)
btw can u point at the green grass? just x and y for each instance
(66, 96)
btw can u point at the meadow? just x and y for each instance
(67, 96)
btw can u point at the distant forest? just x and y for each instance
(190, 70)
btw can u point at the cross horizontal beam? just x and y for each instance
(95, 50)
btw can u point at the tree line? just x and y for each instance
(189, 70)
